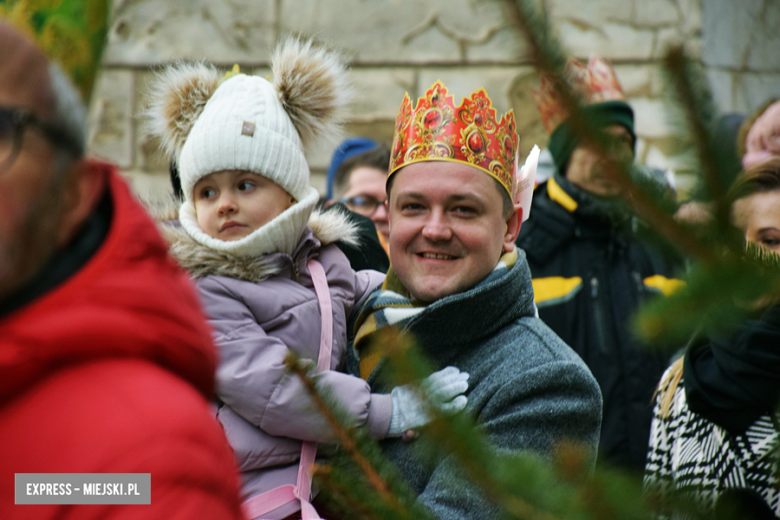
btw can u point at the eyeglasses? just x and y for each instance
(13, 122)
(363, 204)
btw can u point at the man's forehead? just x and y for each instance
(450, 176)
(24, 72)
(448, 182)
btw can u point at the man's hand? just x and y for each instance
(441, 390)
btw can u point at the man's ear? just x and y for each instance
(513, 223)
(82, 190)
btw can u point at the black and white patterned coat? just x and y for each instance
(690, 455)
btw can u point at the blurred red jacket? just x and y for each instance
(110, 372)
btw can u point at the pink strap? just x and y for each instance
(320, 282)
(260, 505)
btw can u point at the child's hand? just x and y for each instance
(442, 390)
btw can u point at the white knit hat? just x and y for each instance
(247, 123)
(245, 127)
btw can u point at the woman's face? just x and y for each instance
(758, 216)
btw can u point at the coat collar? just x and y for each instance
(458, 322)
(200, 260)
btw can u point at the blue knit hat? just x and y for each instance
(347, 149)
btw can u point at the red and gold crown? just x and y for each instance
(594, 83)
(437, 130)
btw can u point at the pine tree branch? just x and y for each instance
(464, 442)
(546, 56)
(343, 497)
(346, 439)
(766, 258)
(698, 115)
(476, 467)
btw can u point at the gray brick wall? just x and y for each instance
(404, 45)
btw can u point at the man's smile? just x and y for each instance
(437, 256)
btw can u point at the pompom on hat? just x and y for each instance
(248, 123)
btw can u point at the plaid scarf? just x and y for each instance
(391, 306)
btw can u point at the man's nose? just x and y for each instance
(380, 214)
(437, 228)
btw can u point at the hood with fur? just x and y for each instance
(201, 261)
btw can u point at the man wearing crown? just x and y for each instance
(590, 267)
(461, 290)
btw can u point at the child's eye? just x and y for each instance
(207, 193)
(245, 186)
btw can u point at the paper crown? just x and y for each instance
(594, 83)
(437, 130)
(70, 32)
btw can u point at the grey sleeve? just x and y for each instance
(532, 412)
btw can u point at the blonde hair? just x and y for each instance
(668, 386)
(758, 179)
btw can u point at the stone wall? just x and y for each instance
(742, 52)
(395, 46)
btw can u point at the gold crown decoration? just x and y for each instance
(70, 32)
(437, 130)
(594, 83)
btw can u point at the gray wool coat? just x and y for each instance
(527, 389)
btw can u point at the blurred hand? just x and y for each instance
(694, 213)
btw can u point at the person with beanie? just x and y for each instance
(591, 268)
(360, 186)
(270, 278)
(348, 148)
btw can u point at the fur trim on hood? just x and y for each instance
(201, 261)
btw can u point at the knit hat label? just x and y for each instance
(248, 128)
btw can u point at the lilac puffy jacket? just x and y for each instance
(261, 309)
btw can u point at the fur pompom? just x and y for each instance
(314, 90)
(178, 95)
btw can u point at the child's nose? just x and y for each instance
(227, 204)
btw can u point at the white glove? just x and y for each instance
(441, 390)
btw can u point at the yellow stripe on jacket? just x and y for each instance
(663, 284)
(555, 289)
